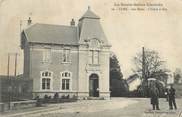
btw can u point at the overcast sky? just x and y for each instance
(128, 31)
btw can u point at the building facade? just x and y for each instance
(69, 60)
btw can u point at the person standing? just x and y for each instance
(154, 96)
(172, 101)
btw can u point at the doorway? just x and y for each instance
(94, 85)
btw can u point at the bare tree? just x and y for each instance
(149, 65)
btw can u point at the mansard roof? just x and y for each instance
(54, 34)
(90, 28)
(89, 14)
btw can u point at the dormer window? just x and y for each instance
(94, 44)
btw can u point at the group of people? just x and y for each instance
(170, 95)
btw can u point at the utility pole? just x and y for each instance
(8, 65)
(144, 73)
(16, 54)
(9, 85)
(143, 63)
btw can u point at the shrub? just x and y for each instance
(56, 95)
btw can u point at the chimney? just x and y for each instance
(72, 23)
(29, 21)
(88, 7)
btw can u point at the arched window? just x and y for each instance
(66, 80)
(46, 80)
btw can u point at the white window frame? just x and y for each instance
(94, 52)
(64, 77)
(93, 58)
(49, 77)
(46, 55)
(66, 54)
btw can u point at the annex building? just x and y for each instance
(69, 60)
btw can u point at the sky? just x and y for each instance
(127, 31)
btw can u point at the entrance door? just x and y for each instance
(93, 85)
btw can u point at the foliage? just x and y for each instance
(118, 85)
(177, 75)
(115, 70)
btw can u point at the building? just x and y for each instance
(70, 60)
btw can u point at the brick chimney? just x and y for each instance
(72, 23)
(29, 21)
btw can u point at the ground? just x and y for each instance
(116, 107)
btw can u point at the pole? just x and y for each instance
(8, 65)
(9, 86)
(143, 63)
(145, 81)
(15, 63)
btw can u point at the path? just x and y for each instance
(116, 107)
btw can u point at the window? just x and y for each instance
(94, 43)
(65, 84)
(66, 80)
(46, 83)
(47, 55)
(93, 57)
(96, 57)
(66, 74)
(46, 77)
(66, 55)
(90, 57)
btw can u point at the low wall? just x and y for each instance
(17, 105)
(22, 104)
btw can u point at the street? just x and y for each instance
(116, 107)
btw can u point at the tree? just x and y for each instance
(118, 85)
(115, 70)
(149, 65)
(177, 75)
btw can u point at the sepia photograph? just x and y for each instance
(90, 58)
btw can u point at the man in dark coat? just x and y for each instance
(154, 96)
(172, 98)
